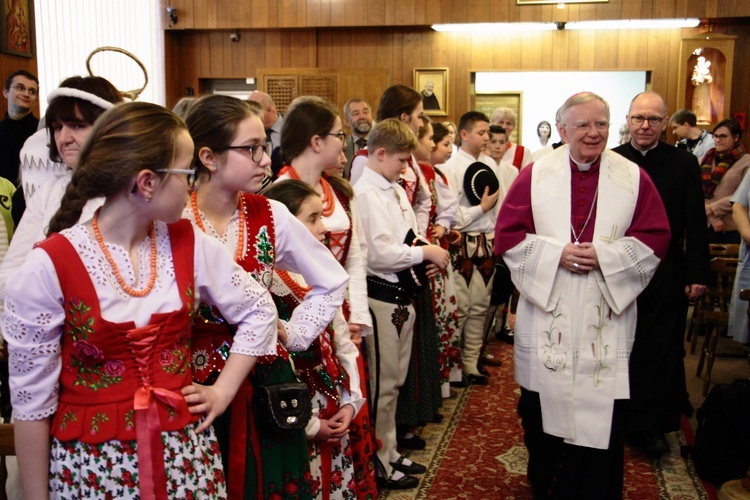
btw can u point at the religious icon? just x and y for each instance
(18, 28)
(702, 80)
(432, 85)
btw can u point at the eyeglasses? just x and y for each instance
(653, 121)
(341, 136)
(255, 151)
(585, 127)
(721, 137)
(192, 179)
(19, 87)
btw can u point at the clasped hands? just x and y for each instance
(579, 259)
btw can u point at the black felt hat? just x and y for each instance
(413, 279)
(477, 177)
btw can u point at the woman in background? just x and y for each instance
(722, 170)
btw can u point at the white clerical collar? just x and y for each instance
(583, 167)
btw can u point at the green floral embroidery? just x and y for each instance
(190, 296)
(80, 325)
(96, 420)
(174, 361)
(554, 358)
(598, 348)
(68, 417)
(264, 255)
(263, 247)
(94, 371)
(130, 420)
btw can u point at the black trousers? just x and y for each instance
(564, 471)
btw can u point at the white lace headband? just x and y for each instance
(79, 94)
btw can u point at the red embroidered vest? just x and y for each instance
(212, 336)
(109, 368)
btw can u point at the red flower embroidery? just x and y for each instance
(86, 352)
(114, 368)
(291, 488)
(337, 477)
(166, 358)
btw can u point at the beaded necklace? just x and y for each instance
(298, 290)
(128, 289)
(329, 204)
(242, 215)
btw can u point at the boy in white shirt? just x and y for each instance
(473, 257)
(387, 218)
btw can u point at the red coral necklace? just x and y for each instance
(128, 289)
(242, 218)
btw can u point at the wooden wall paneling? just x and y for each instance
(389, 11)
(711, 7)
(605, 49)
(312, 11)
(659, 58)
(531, 49)
(355, 12)
(273, 14)
(559, 50)
(420, 12)
(479, 9)
(664, 10)
(586, 50)
(404, 13)
(186, 13)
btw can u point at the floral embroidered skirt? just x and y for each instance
(110, 470)
(342, 483)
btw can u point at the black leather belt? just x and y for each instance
(386, 291)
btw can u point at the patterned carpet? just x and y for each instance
(477, 452)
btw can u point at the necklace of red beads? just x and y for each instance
(128, 289)
(242, 221)
(298, 290)
(329, 201)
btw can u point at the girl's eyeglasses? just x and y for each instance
(255, 151)
(192, 178)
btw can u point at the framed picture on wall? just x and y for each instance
(488, 103)
(17, 28)
(432, 84)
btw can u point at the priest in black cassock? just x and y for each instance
(658, 394)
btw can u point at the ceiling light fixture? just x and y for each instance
(625, 24)
(622, 24)
(493, 27)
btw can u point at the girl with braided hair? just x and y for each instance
(98, 325)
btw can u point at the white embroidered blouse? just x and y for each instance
(296, 251)
(34, 315)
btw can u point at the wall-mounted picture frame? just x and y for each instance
(488, 103)
(432, 85)
(17, 28)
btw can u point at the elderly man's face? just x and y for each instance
(646, 108)
(586, 129)
(360, 118)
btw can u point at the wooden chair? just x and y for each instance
(7, 448)
(696, 326)
(714, 316)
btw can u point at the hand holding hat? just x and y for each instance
(478, 177)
